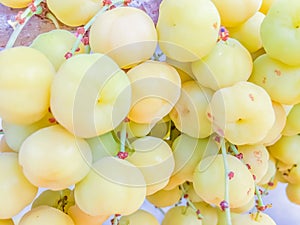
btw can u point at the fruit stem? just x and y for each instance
(18, 27)
(51, 17)
(189, 202)
(123, 135)
(226, 169)
(259, 198)
(89, 24)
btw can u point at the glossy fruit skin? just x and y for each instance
(25, 88)
(16, 3)
(16, 191)
(187, 33)
(81, 97)
(74, 12)
(181, 215)
(137, 31)
(55, 44)
(280, 32)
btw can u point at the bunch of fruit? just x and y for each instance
(191, 105)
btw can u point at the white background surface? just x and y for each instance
(283, 211)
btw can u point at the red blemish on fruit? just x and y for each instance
(106, 2)
(277, 72)
(77, 50)
(68, 55)
(126, 120)
(19, 18)
(209, 115)
(230, 175)
(186, 196)
(254, 177)
(223, 34)
(264, 80)
(198, 212)
(224, 205)
(117, 215)
(251, 97)
(127, 2)
(122, 155)
(248, 166)
(249, 190)
(258, 155)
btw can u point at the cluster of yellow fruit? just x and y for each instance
(128, 110)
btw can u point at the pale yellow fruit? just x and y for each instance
(110, 35)
(164, 198)
(54, 158)
(81, 218)
(189, 112)
(257, 156)
(244, 208)
(271, 172)
(25, 79)
(276, 131)
(190, 191)
(139, 217)
(248, 33)
(46, 215)
(242, 113)
(181, 215)
(55, 44)
(286, 150)
(16, 133)
(227, 63)
(209, 174)
(153, 156)
(292, 126)
(281, 81)
(82, 99)
(16, 3)
(111, 184)
(16, 191)
(209, 213)
(253, 219)
(280, 32)
(155, 90)
(293, 193)
(74, 12)
(187, 35)
(188, 152)
(235, 12)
